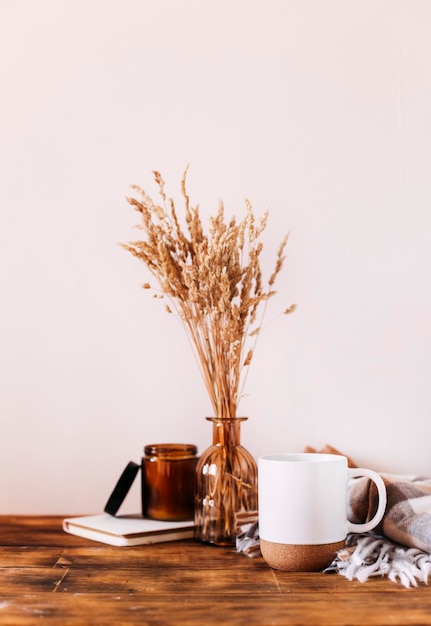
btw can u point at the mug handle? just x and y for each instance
(381, 489)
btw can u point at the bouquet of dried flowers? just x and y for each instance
(212, 281)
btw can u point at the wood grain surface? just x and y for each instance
(50, 577)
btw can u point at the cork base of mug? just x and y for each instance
(298, 558)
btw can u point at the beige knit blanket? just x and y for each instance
(399, 548)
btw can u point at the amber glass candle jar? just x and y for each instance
(168, 481)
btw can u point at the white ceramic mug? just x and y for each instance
(303, 508)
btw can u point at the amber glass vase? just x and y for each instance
(226, 483)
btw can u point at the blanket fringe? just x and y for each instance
(369, 555)
(364, 555)
(247, 540)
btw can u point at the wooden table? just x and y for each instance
(50, 577)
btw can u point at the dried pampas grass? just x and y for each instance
(212, 281)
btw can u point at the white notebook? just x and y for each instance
(127, 530)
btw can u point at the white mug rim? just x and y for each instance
(303, 457)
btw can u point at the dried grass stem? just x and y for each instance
(213, 283)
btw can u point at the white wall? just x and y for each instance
(317, 110)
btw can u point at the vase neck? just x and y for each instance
(226, 430)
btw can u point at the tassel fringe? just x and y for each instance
(364, 556)
(370, 555)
